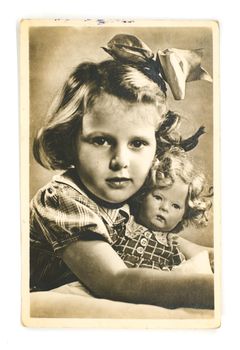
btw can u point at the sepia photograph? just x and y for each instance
(120, 194)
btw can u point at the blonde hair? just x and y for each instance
(54, 145)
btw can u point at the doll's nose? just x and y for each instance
(164, 205)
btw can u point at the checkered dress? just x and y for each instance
(139, 247)
(62, 213)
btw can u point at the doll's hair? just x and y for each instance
(173, 164)
(54, 146)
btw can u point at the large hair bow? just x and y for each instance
(173, 66)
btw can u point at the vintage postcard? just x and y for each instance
(120, 173)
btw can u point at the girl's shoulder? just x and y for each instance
(63, 205)
(62, 211)
(63, 189)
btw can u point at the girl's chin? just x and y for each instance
(116, 198)
(112, 200)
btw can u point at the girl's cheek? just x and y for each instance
(148, 155)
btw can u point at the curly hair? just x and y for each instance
(54, 146)
(175, 163)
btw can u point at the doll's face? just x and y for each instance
(162, 209)
(116, 147)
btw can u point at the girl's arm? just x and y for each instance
(190, 249)
(99, 267)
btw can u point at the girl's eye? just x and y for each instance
(176, 206)
(157, 197)
(101, 141)
(138, 144)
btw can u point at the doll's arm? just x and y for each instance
(99, 267)
(190, 249)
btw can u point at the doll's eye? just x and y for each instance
(176, 206)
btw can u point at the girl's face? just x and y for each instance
(162, 209)
(116, 147)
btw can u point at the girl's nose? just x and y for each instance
(119, 160)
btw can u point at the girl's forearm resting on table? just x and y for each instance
(190, 249)
(165, 289)
(98, 266)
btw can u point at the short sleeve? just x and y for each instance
(62, 215)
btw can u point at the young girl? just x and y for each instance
(101, 130)
(171, 199)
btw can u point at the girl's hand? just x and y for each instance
(190, 249)
(211, 258)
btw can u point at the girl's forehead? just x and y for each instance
(112, 107)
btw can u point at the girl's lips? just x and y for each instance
(118, 182)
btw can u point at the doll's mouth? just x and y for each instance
(118, 182)
(161, 218)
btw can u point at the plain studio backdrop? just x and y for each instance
(56, 51)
